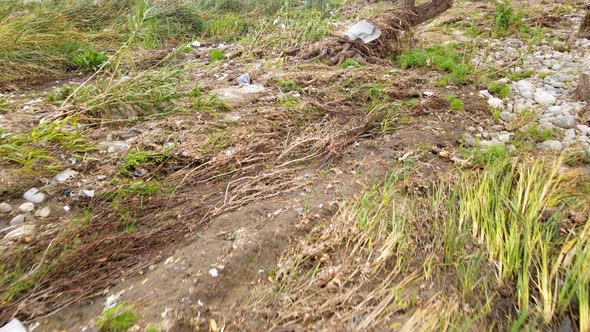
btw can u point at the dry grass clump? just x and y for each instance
(495, 249)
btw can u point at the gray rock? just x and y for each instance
(550, 145)
(22, 231)
(34, 195)
(26, 207)
(504, 138)
(507, 116)
(469, 140)
(565, 121)
(5, 207)
(544, 98)
(17, 220)
(43, 213)
(570, 134)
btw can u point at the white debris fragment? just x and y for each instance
(213, 273)
(13, 326)
(112, 300)
(88, 193)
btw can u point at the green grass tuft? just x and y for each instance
(117, 319)
(348, 63)
(499, 89)
(216, 55)
(89, 60)
(455, 104)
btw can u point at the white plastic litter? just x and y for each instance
(364, 31)
(13, 326)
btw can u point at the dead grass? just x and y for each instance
(393, 258)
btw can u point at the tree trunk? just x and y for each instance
(426, 11)
(585, 28)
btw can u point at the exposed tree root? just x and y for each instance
(395, 32)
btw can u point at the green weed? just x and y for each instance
(505, 18)
(443, 58)
(117, 319)
(499, 89)
(288, 85)
(216, 55)
(147, 93)
(517, 76)
(227, 27)
(89, 60)
(350, 63)
(455, 104)
(144, 158)
(36, 150)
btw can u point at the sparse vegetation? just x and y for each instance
(117, 319)
(502, 90)
(455, 104)
(140, 105)
(446, 59)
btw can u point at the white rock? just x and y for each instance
(485, 94)
(196, 44)
(64, 175)
(544, 98)
(5, 207)
(585, 130)
(17, 220)
(43, 213)
(22, 231)
(495, 102)
(34, 195)
(213, 273)
(26, 207)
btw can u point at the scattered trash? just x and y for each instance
(244, 80)
(13, 326)
(213, 273)
(364, 31)
(66, 208)
(428, 93)
(196, 44)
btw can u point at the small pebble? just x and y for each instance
(17, 220)
(26, 207)
(5, 207)
(43, 213)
